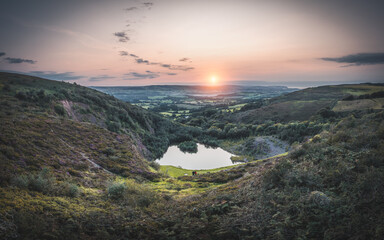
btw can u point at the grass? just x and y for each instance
(175, 172)
(180, 188)
(237, 106)
(357, 90)
(166, 113)
(359, 104)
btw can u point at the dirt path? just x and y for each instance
(94, 164)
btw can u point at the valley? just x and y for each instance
(76, 163)
(179, 102)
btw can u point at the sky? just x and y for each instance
(133, 42)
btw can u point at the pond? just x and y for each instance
(205, 158)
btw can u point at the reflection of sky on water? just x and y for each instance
(205, 158)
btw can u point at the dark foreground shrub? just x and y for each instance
(131, 193)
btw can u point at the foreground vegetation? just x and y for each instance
(74, 167)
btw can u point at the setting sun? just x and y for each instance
(213, 79)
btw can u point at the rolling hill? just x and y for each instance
(75, 164)
(304, 104)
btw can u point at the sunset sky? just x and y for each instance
(100, 43)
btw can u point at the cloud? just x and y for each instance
(148, 5)
(359, 59)
(184, 59)
(181, 68)
(130, 9)
(171, 74)
(124, 53)
(176, 67)
(2, 54)
(19, 60)
(140, 76)
(100, 78)
(67, 76)
(140, 60)
(122, 36)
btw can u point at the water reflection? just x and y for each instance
(205, 158)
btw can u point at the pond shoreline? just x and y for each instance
(204, 159)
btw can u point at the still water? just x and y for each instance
(205, 158)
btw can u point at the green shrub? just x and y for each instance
(131, 193)
(46, 183)
(59, 109)
(154, 165)
(70, 189)
(21, 181)
(42, 182)
(116, 190)
(7, 88)
(188, 146)
(113, 126)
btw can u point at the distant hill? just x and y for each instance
(142, 93)
(304, 104)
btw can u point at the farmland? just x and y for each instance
(178, 102)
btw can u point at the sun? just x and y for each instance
(213, 79)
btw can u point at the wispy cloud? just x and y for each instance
(125, 53)
(140, 76)
(2, 54)
(100, 78)
(171, 74)
(19, 60)
(177, 67)
(121, 36)
(359, 59)
(140, 60)
(148, 5)
(65, 76)
(130, 9)
(185, 59)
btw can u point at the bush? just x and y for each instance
(131, 193)
(46, 183)
(155, 165)
(42, 182)
(21, 181)
(113, 126)
(188, 146)
(70, 190)
(21, 95)
(116, 190)
(59, 109)
(7, 88)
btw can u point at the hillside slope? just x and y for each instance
(304, 104)
(331, 187)
(73, 166)
(21, 95)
